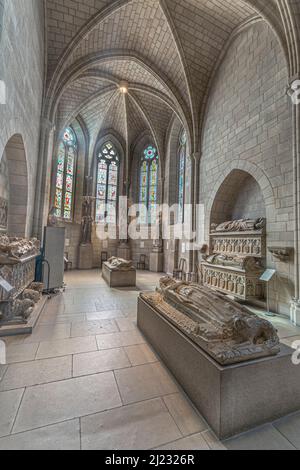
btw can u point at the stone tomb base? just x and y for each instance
(119, 278)
(232, 399)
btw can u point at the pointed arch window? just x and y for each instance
(65, 175)
(149, 185)
(181, 175)
(108, 163)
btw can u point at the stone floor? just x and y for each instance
(86, 379)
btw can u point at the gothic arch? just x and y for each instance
(15, 155)
(236, 170)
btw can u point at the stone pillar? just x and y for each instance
(192, 275)
(43, 179)
(295, 304)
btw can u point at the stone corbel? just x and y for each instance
(280, 253)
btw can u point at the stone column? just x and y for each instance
(195, 158)
(44, 177)
(156, 262)
(295, 304)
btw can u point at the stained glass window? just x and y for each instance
(107, 184)
(148, 185)
(65, 174)
(181, 175)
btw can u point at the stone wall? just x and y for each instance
(248, 128)
(22, 70)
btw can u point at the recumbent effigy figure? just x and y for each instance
(119, 264)
(224, 329)
(241, 225)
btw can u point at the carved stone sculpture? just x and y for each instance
(227, 331)
(242, 262)
(13, 250)
(242, 225)
(31, 294)
(37, 286)
(22, 308)
(52, 218)
(118, 264)
(87, 221)
(3, 213)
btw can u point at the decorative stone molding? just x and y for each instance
(279, 253)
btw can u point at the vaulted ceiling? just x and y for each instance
(166, 50)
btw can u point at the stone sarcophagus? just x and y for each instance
(18, 292)
(235, 263)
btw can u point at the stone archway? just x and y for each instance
(227, 197)
(15, 163)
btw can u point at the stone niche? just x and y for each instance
(237, 254)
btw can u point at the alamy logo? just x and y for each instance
(2, 353)
(2, 92)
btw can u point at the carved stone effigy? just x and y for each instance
(119, 264)
(17, 268)
(228, 332)
(3, 213)
(235, 264)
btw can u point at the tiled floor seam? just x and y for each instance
(87, 416)
(19, 407)
(283, 435)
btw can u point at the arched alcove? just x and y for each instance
(238, 197)
(14, 173)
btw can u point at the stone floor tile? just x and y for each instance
(195, 442)
(100, 361)
(119, 340)
(144, 382)
(49, 333)
(21, 353)
(184, 415)
(127, 324)
(289, 427)
(137, 427)
(140, 354)
(36, 373)
(60, 401)
(63, 436)
(97, 327)
(104, 315)
(54, 319)
(9, 405)
(264, 438)
(66, 347)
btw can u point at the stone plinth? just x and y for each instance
(119, 278)
(85, 260)
(233, 399)
(156, 264)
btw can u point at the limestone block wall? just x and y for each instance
(248, 127)
(1, 16)
(22, 70)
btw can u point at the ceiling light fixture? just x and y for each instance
(123, 87)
